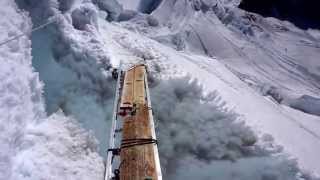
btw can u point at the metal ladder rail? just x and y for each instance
(108, 169)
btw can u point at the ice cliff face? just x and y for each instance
(34, 145)
(73, 61)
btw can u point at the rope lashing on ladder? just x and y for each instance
(127, 143)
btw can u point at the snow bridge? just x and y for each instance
(133, 152)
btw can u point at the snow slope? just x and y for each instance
(295, 131)
(262, 51)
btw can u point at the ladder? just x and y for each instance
(133, 151)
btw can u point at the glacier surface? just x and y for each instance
(244, 89)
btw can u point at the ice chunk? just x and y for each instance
(65, 5)
(112, 7)
(307, 104)
(127, 15)
(83, 16)
(152, 21)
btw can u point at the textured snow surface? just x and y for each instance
(200, 139)
(20, 89)
(57, 149)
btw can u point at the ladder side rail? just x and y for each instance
(153, 132)
(108, 170)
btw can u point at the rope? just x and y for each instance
(32, 30)
(127, 143)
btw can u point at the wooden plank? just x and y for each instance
(137, 161)
(127, 92)
(139, 89)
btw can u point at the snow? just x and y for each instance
(58, 149)
(112, 7)
(246, 54)
(260, 50)
(83, 16)
(16, 75)
(268, 117)
(251, 168)
(34, 146)
(253, 81)
(307, 104)
(262, 114)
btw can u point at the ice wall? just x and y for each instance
(73, 64)
(34, 146)
(20, 89)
